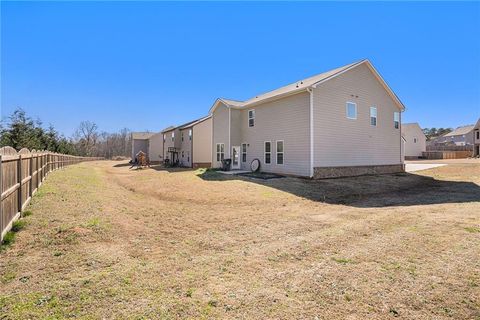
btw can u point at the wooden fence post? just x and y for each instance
(37, 158)
(19, 180)
(30, 185)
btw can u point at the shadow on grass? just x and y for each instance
(403, 189)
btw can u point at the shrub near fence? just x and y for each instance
(21, 174)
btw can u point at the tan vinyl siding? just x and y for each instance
(339, 141)
(168, 142)
(411, 132)
(202, 142)
(220, 120)
(286, 119)
(184, 154)
(155, 147)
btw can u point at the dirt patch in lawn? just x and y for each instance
(108, 242)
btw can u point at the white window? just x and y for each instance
(220, 151)
(251, 118)
(190, 134)
(280, 152)
(268, 152)
(244, 152)
(173, 136)
(396, 120)
(373, 116)
(164, 137)
(351, 110)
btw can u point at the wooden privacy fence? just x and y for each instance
(447, 154)
(21, 174)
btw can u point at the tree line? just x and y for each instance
(432, 133)
(22, 131)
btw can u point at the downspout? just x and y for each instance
(191, 147)
(310, 90)
(229, 131)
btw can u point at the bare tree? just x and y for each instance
(86, 136)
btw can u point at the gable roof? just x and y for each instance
(411, 125)
(187, 124)
(477, 125)
(142, 135)
(195, 122)
(460, 131)
(303, 85)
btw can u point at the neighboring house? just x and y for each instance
(155, 146)
(196, 143)
(476, 139)
(140, 142)
(415, 140)
(339, 123)
(189, 144)
(461, 136)
(171, 144)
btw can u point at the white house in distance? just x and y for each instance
(415, 140)
(343, 122)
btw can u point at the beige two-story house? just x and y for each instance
(190, 144)
(346, 121)
(196, 143)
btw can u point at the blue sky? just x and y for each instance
(147, 65)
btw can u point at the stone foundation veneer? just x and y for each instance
(351, 171)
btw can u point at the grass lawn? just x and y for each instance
(107, 242)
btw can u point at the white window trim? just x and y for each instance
(190, 132)
(253, 118)
(346, 110)
(394, 121)
(218, 151)
(173, 136)
(276, 152)
(241, 151)
(265, 152)
(376, 116)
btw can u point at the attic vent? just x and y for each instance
(301, 82)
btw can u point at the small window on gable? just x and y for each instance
(190, 134)
(414, 140)
(478, 134)
(373, 116)
(173, 136)
(251, 118)
(351, 110)
(268, 152)
(280, 152)
(164, 137)
(396, 120)
(244, 152)
(182, 136)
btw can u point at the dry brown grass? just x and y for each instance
(108, 242)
